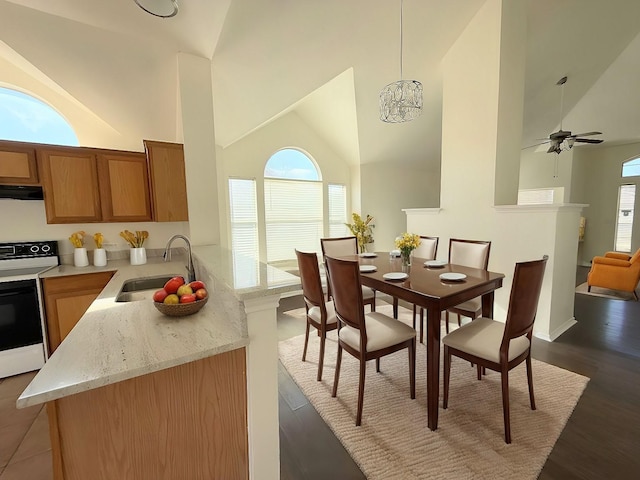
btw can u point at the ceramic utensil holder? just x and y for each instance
(138, 256)
(80, 257)
(99, 257)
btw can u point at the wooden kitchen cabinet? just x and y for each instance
(168, 181)
(66, 299)
(83, 185)
(18, 164)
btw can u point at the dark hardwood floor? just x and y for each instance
(600, 441)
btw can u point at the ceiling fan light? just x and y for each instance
(570, 141)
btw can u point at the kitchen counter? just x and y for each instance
(116, 341)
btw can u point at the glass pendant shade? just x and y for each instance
(159, 8)
(401, 101)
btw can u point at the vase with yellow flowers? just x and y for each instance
(80, 257)
(138, 254)
(407, 243)
(99, 254)
(362, 229)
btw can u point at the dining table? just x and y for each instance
(422, 284)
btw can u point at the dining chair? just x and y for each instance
(365, 336)
(501, 346)
(340, 247)
(468, 253)
(321, 314)
(427, 250)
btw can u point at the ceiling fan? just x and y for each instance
(564, 137)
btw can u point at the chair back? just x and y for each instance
(344, 276)
(635, 257)
(310, 279)
(339, 246)
(428, 248)
(469, 253)
(523, 302)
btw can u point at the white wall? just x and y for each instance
(539, 169)
(387, 189)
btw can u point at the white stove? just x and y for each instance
(22, 345)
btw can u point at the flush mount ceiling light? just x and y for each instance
(159, 8)
(401, 101)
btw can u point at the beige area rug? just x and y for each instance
(394, 441)
(605, 292)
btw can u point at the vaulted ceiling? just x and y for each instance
(328, 60)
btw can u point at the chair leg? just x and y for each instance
(459, 320)
(447, 373)
(323, 339)
(378, 365)
(363, 371)
(414, 316)
(446, 321)
(373, 305)
(421, 324)
(395, 308)
(337, 374)
(504, 376)
(412, 369)
(479, 371)
(530, 380)
(306, 341)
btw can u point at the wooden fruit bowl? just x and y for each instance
(180, 309)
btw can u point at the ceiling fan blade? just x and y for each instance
(588, 140)
(553, 148)
(535, 145)
(586, 134)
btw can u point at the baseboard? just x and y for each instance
(558, 331)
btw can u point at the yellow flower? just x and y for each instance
(77, 239)
(408, 242)
(98, 238)
(135, 240)
(362, 229)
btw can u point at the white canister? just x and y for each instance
(99, 257)
(80, 257)
(138, 256)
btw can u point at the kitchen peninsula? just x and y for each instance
(133, 394)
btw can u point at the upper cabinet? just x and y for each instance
(85, 185)
(18, 164)
(168, 181)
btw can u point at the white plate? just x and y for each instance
(395, 276)
(435, 263)
(368, 254)
(368, 268)
(452, 276)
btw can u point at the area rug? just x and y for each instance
(394, 441)
(605, 292)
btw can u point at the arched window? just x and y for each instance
(293, 204)
(24, 118)
(631, 168)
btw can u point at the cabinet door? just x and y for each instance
(168, 181)
(66, 299)
(17, 164)
(124, 187)
(70, 185)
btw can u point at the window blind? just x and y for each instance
(243, 214)
(337, 210)
(293, 217)
(624, 223)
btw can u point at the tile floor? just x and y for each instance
(25, 448)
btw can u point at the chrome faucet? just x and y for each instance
(191, 273)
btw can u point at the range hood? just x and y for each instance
(21, 192)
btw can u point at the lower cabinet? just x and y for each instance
(66, 299)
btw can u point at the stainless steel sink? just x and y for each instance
(141, 288)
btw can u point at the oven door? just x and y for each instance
(20, 323)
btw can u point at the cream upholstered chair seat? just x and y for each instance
(316, 313)
(473, 305)
(482, 338)
(382, 332)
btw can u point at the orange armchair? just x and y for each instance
(615, 271)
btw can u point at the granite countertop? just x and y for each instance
(116, 341)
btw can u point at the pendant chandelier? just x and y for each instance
(401, 101)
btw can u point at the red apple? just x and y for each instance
(172, 285)
(160, 295)
(201, 293)
(189, 298)
(196, 285)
